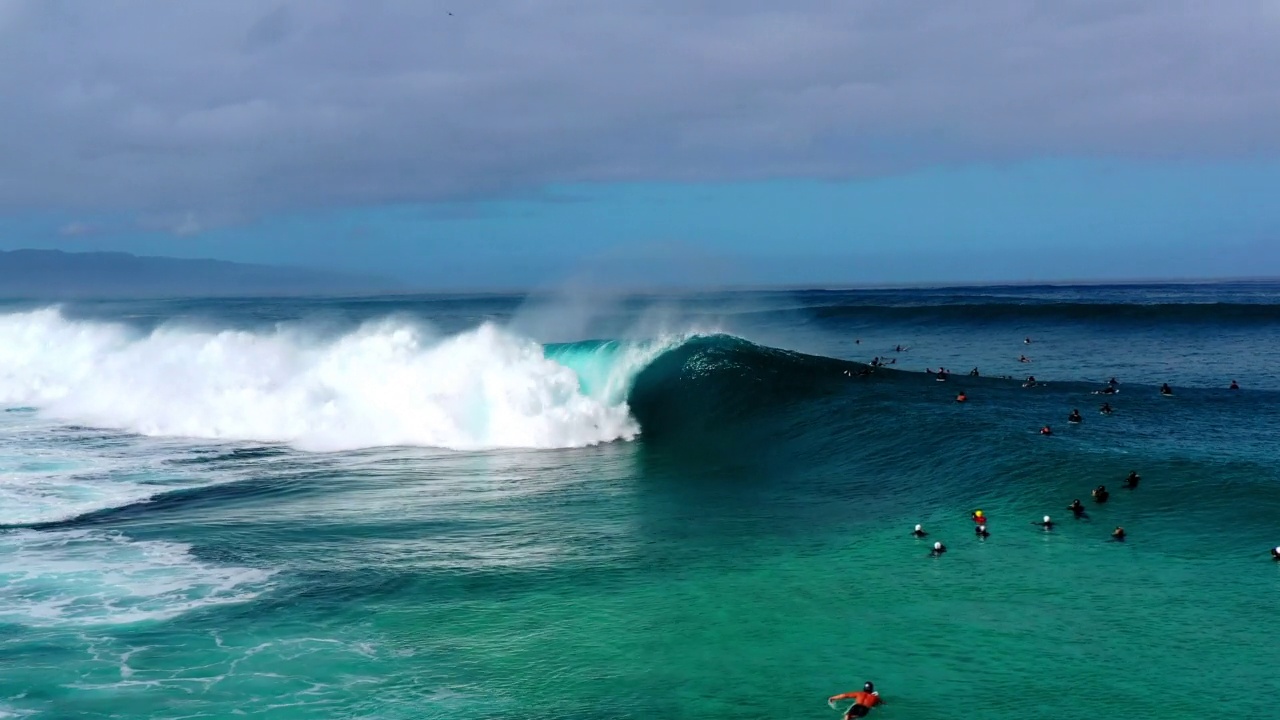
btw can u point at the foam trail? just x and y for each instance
(28, 498)
(388, 383)
(91, 578)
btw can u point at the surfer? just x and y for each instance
(863, 701)
(1118, 534)
(1132, 481)
(1026, 341)
(978, 517)
(1234, 385)
(1105, 409)
(1047, 524)
(1112, 382)
(1076, 508)
(1108, 390)
(1165, 389)
(973, 372)
(919, 532)
(938, 549)
(942, 375)
(1023, 359)
(1100, 494)
(981, 531)
(1030, 381)
(1074, 417)
(961, 397)
(1046, 431)
(1275, 553)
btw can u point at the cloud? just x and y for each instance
(77, 229)
(239, 107)
(188, 226)
(190, 223)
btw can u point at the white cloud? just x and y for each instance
(188, 226)
(76, 229)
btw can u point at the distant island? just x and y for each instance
(55, 274)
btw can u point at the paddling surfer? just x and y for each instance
(863, 701)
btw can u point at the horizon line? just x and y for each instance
(406, 287)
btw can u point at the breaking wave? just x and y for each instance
(389, 382)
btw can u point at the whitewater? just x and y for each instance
(389, 382)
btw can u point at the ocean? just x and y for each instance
(576, 506)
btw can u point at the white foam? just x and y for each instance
(49, 474)
(28, 499)
(97, 578)
(388, 383)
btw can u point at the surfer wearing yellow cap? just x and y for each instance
(978, 517)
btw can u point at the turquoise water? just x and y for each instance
(497, 547)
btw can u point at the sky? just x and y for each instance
(507, 143)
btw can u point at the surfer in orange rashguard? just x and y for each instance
(863, 701)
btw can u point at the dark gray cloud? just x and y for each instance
(197, 110)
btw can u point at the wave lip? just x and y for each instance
(388, 383)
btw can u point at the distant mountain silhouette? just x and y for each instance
(56, 274)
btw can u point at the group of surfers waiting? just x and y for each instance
(1100, 495)
(868, 698)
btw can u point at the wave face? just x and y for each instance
(710, 381)
(387, 383)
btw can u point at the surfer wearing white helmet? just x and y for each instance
(919, 532)
(1047, 524)
(1275, 553)
(938, 549)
